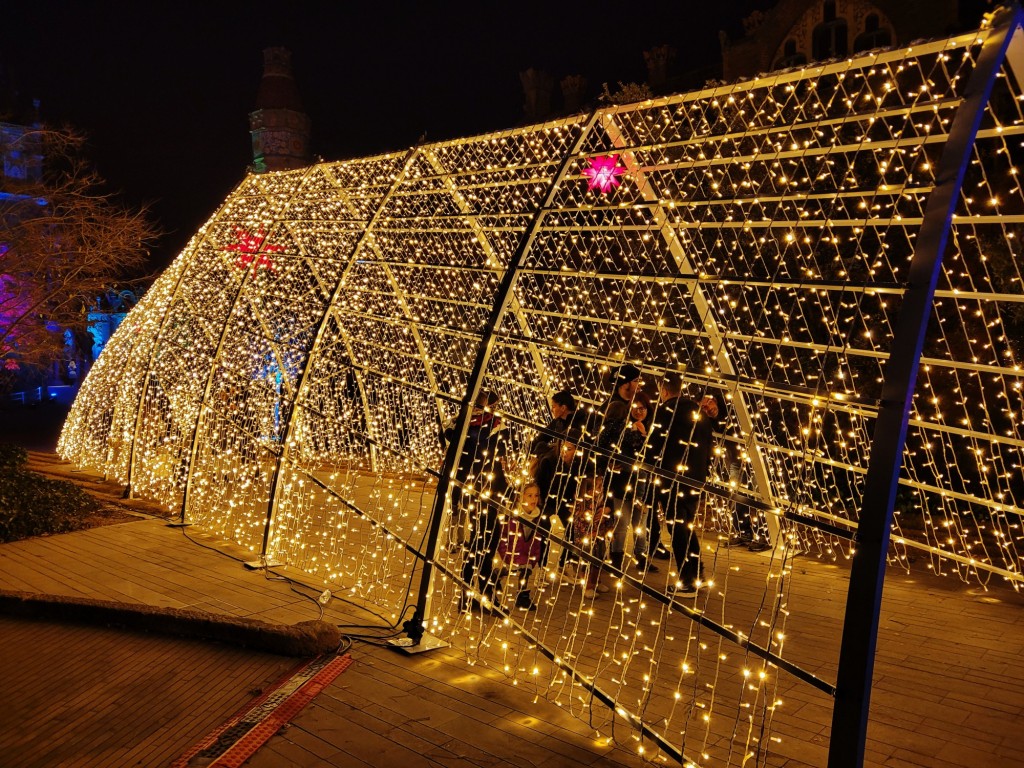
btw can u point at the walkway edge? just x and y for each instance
(307, 638)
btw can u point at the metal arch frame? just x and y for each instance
(301, 385)
(502, 299)
(399, 292)
(359, 383)
(367, 239)
(864, 600)
(157, 340)
(201, 411)
(332, 294)
(762, 478)
(515, 307)
(202, 405)
(147, 376)
(403, 304)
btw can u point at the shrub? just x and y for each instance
(31, 505)
(12, 457)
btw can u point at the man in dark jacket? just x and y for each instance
(620, 441)
(680, 448)
(479, 490)
(558, 475)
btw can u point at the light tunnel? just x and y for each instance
(834, 250)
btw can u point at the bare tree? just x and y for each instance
(64, 242)
(626, 94)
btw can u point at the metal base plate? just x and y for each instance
(255, 565)
(427, 643)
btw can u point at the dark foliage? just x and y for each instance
(31, 505)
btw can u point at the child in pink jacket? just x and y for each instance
(520, 546)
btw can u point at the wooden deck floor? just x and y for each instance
(386, 709)
(948, 688)
(102, 698)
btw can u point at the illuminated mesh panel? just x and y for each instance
(406, 328)
(149, 425)
(342, 487)
(757, 240)
(268, 339)
(962, 487)
(105, 429)
(296, 367)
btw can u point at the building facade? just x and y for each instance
(797, 32)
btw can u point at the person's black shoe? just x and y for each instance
(759, 545)
(524, 601)
(646, 566)
(680, 589)
(738, 540)
(475, 602)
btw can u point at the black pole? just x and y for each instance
(502, 298)
(283, 455)
(864, 599)
(157, 342)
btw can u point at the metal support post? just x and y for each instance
(864, 601)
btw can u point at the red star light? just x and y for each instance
(252, 248)
(603, 173)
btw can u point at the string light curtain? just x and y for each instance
(285, 383)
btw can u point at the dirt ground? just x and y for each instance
(36, 428)
(115, 509)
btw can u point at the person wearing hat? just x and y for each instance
(620, 442)
(680, 446)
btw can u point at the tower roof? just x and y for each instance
(278, 89)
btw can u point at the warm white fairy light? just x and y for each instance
(768, 223)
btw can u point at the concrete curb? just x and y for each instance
(307, 638)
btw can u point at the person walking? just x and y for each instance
(745, 534)
(558, 475)
(679, 447)
(478, 493)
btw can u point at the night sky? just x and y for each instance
(163, 90)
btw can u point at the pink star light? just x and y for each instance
(603, 173)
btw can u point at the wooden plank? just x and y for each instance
(947, 674)
(81, 695)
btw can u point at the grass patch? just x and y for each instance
(31, 505)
